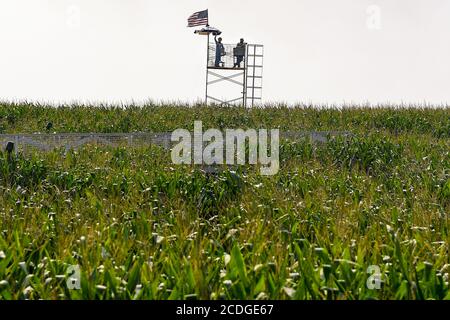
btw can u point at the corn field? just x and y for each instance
(138, 227)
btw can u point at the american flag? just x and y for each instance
(198, 19)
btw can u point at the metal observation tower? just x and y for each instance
(228, 83)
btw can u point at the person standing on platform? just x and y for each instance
(239, 52)
(220, 51)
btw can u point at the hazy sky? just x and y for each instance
(320, 51)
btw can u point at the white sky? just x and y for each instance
(320, 51)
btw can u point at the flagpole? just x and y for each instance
(207, 71)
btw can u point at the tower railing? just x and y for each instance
(227, 61)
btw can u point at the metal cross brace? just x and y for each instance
(228, 78)
(228, 103)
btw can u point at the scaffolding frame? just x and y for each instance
(248, 78)
(254, 69)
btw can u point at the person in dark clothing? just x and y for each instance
(220, 51)
(239, 52)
